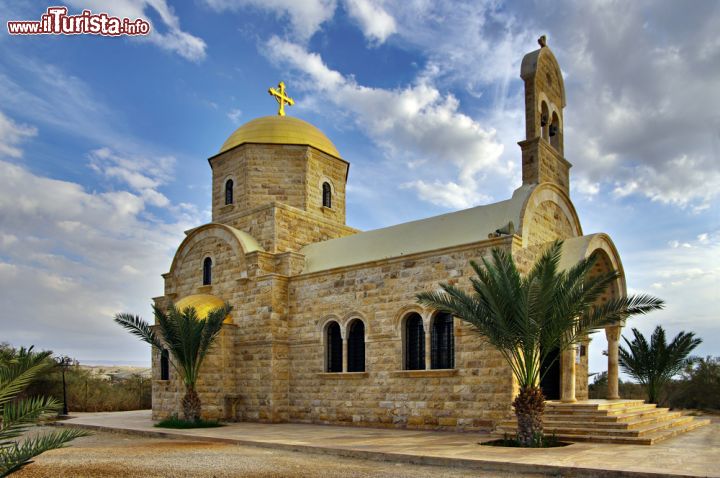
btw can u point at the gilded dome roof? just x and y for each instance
(280, 130)
(203, 304)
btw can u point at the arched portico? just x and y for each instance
(601, 248)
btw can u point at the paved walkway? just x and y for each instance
(694, 454)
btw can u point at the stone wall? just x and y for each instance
(291, 175)
(548, 223)
(281, 228)
(472, 396)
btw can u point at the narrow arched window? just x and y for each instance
(327, 195)
(554, 131)
(414, 343)
(229, 191)
(164, 365)
(544, 120)
(333, 348)
(356, 347)
(207, 271)
(442, 353)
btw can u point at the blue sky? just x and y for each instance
(104, 141)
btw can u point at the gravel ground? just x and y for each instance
(120, 455)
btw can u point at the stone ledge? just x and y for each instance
(342, 375)
(442, 372)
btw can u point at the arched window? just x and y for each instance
(207, 271)
(356, 347)
(414, 342)
(327, 195)
(229, 191)
(544, 120)
(442, 352)
(554, 131)
(164, 365)
(333, 348)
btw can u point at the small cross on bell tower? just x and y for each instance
(281, 97)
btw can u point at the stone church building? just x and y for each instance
(325, 326)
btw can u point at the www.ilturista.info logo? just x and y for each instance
(56, 21)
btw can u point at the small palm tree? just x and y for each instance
(17, 415)
(654, 364)
(527, 317)
(188, 340)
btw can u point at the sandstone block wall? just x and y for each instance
(473, 395)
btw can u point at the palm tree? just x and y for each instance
(654, 364)
(526, 317)
(17, 371)
(188, 340)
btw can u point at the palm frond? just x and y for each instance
(13, 458)
(527, 317)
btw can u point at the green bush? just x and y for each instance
(698, 387)
(175, 422)
(87, 392)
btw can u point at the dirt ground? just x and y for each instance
(119, 455)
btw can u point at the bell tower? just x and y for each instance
(542, 150)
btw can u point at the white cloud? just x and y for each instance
(414, 125)
(376, 23)
(11, 135)
(305, 17)
(83, 256)
(171, 38)
(234, 115)
(141, 174)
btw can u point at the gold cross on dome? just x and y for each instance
(281, 97)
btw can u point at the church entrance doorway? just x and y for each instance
(550, 371)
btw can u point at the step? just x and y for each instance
(574, 430)
(585, 410)
(626, 425)
(678, 427)
(650, 436)
(604, 417)
(605, 405)
(677, 430)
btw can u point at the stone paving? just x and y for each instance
(693, 454)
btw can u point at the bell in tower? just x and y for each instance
(542, 150)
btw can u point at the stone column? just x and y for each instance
(613, 337)
(567, 387)
(428, 362)
(345, 354)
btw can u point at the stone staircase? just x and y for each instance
(610, 421)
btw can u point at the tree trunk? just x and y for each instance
(191, 404)
(529, 406)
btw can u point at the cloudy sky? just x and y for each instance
(103, 141)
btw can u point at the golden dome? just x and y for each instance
(203, 304)
(280, 130)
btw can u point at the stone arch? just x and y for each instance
(403, 312)
(547, 192)
(603, 248)
(232, 182)
(323, 324)
(356, 333)
(332, 352)
(240, 241)
(446, 358)
(544, 117)
(348, 318)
